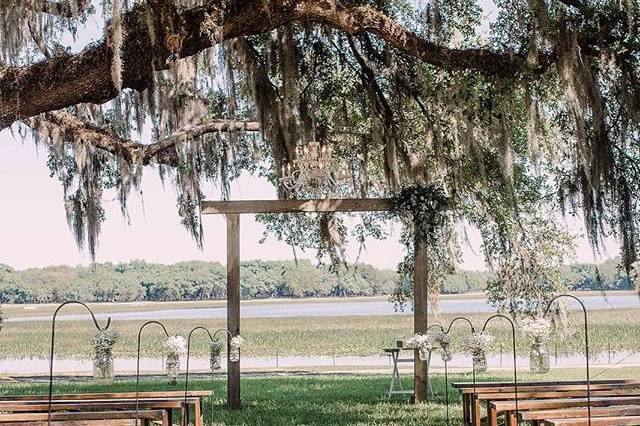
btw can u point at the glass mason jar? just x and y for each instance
(539, 359)
(103, 370)
(172, 368)
(480, 362)
(234, 353)
(445, 354)
(215, 354)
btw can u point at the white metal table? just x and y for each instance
(395, 387)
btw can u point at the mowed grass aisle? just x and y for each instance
(352, 400)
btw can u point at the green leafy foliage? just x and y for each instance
(138, 281)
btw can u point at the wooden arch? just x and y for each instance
(233, 209)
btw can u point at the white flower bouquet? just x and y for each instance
(425, 343)
(476, 344)
(443, 340)
(103, 342)
(234, 348)
(538, 332)
(173, 348)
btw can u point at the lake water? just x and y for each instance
(318, 308)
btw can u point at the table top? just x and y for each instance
(396, 349)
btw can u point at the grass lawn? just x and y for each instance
(352, 400)
(356, 335)
(318, 400)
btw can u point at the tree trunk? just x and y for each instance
(420, 275)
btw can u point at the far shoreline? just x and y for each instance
(19, 310)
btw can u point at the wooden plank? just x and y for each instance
(420, 282)
(555, 395)
(110, 395)
(568, 413)
(297, 206)
(99, 415)
(93, 405)
(596, 421)
(478, 385)
(560, 388)
(233, 306)
(539, 404)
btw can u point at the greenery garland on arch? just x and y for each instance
(426, 212)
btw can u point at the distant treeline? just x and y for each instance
(138, 280)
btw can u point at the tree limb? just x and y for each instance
(85, 77)
(162, 152)
(65, 9)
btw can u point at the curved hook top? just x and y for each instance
(467, 320)
(484, 327)
(153, 322)
(435, 326)
(215, 333)
(199, 328)
(571, 296)
(93, 317)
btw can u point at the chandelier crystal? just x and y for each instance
(312, 172)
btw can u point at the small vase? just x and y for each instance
(103, 370)
(234, 354)
(539, 359)
(480, 362)
(446, 354)
(214, 362)
(172, 368)
(423, 354)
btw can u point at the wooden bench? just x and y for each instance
(596, 421)
(509, 407)
(82, 418)
(118, 400)
(471, 404)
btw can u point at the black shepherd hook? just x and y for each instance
(429, 361)
(212, 338)
(138, 359)
(446, 372)
(586, 343)
(513, 342)
(53, 340)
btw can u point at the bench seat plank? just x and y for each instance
(106, 405)
(596, 421)
(532, 404)
(82, 416)
(465, 385)
(567, 413)
(110, 395)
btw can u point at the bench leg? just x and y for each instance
(197, 413)
(511, 418)
(465, 409)
(476, 417)
(166, 417)
(492, 416)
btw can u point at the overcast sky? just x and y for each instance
(34, 232)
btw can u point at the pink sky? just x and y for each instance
(33, 229)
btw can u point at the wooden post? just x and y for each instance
(233, 306)
(420, 369)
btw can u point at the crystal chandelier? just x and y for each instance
(312, 171)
